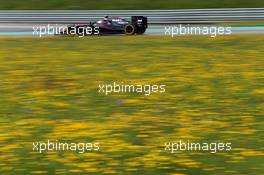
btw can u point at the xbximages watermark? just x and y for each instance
(211, 31)
(81, 30)
(212, 147)
(51, 146)
(146, 89)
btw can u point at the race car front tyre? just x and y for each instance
(129, 29)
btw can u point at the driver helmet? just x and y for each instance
(106, 18)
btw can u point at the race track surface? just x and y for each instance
(21, 29)
(21, 22)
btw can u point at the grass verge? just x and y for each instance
(214, 92)
(125, 4)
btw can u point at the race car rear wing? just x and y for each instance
(140, 21)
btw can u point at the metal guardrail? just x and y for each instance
(154, 16)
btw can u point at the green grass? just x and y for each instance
(125, 4)
(214, 93)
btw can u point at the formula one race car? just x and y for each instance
(108, 25)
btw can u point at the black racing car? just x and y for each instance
(109, 25)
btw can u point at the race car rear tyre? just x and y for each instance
(129, 29)
(141, 31)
